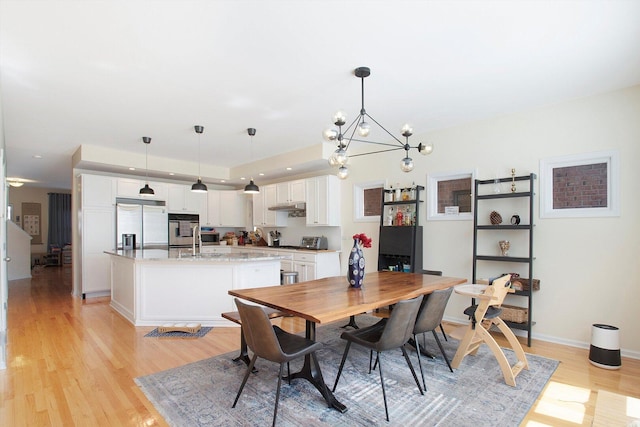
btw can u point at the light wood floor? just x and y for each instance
(72, 362)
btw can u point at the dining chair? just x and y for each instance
(271, 343)
(437, 273)
(387, 334)
(428, 319)
(484, 315)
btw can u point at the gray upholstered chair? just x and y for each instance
(271, 343)
(387, 334)
(429, 318)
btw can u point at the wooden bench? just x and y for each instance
(234, 317)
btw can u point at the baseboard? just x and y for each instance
(550, 338)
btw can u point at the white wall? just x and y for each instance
(588, 267)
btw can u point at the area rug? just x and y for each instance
(176, 334)
(475, 394)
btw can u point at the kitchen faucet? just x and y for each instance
(194, 232)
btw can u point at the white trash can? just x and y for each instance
(605, 347)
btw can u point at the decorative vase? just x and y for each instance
(504, 247)
(355, 272)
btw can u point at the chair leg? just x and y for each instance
(420, 361)
(275, 410)
(244, 380)
(384, 394)
(413, 372)
(344, 358)
(446, 359)
(443, 334)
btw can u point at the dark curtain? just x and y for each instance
(59, 220)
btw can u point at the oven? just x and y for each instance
(181, 229)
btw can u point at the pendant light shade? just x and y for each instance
(251, 187)
(146, 190)
(199, 187)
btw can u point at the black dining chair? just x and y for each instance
(387, 334)
(271, 343)
(428, 319)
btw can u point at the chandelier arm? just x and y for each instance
(354, 122)
(376, 152)
(384, 129)
(353, 131)
(377, 143)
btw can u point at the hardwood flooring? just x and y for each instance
(73, 362)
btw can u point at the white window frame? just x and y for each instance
(358, 200)
(432, 195)
(610, 157)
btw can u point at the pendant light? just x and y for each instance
(344, 137)
(146, 190)
(199, 187)
(251, 188)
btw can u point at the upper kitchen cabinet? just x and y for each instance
(97, 191)
(226, 208)
(182, 200)
(323, 201)
(262, 216)
(290, 192)
(130, 188)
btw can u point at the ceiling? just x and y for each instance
(106, 73)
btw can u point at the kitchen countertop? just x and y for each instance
(185, 256)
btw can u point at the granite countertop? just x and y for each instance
(185, 255)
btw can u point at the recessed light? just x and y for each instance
(289, 169)
(261, 174)
(171, 173)
(132, 169)
(222, 180)
(242, 178)
(37, 156)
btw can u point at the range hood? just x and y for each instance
(289, 207)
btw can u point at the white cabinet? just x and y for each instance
(97, 191)
(130, 188)
(182, 200)
(262, 216)
(213, 208)
(226, 208)
(323, 201)
(305, 265)
(97, 235)
(315, 265)
(290, 192)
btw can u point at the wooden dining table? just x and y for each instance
(329, 299)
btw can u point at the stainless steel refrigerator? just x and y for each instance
(147, 220)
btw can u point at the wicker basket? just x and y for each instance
(522, 284)
(514, 314)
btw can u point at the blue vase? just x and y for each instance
(355, 272)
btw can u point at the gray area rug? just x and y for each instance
(177, 334)
(201, 393)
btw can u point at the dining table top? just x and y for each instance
(331, 298)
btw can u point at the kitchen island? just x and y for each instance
(154, 287)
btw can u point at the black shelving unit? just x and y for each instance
(401, 245)
(492, 230)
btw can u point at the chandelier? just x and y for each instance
(344, 138)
